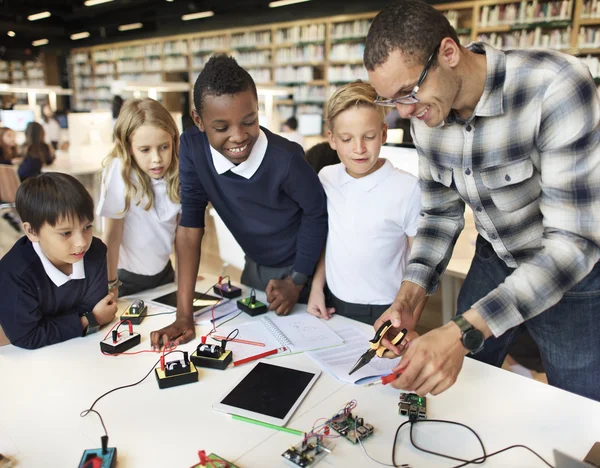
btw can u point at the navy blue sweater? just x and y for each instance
(278, 216)
(34, 312)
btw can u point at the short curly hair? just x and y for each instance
(412, 26)
(221, 75)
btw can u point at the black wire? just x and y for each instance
(482, 458)
(84, 413)
(504, 450)
(130, 385)
(228, 320)
(478, 460)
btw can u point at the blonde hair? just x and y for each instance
(134, 114)
(356, 94)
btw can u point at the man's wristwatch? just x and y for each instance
(472, 339)
(299, 279)
(93, 325)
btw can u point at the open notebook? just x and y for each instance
(297, 332)
(338, 361)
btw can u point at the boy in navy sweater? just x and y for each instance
(53, 282)
(259, 184)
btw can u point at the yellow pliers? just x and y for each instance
(376, 348)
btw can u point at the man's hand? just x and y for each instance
(282, 295)
(105, 310)
(180, 331)
(432, 362)
(404, 313)
(316, 305)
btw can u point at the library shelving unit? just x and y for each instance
(314, 57)
(22, 73)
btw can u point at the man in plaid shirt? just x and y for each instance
(516, 136)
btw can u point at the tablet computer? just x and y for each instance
(202, 302)
(269, 393)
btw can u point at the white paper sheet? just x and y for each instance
(339, 361)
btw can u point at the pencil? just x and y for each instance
(257, 356)
(270, 426)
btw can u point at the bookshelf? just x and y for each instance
(23, 73)
(314, 57)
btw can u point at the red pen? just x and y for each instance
(386, 379)
(258, 356)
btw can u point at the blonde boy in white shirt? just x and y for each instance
(373, 213)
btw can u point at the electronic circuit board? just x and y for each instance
(413, 406)
(309, 452)
(353, 428)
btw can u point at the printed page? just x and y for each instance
(305, 332)
(339, 361)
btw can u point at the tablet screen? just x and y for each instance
(201, 301)
(268, 390)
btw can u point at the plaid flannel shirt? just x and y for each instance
(528, 164)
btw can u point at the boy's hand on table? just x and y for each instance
(316, 305)
(282, 295)
(105, 310)
(180, 331)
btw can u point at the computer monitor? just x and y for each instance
(17, 120)
(90, 128)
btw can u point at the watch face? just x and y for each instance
(473, 340)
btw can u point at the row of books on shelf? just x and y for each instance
(350, 29)
(558, 39)
(251, 39)
(589, 38)
(255, 57)
(307, 53)
(591, 9)
(291, 74)
(347, 51)
(261, 76)
(208, 44)
(593, 64)
(175, 63)
(525, 12)
(296, 34)
(342, 73)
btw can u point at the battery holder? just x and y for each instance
(227, 290)
(120, 342)
(105, 457)
(136, 312)
(175, 373)
(212, 356)
(251, 306)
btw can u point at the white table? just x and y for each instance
(43, 392)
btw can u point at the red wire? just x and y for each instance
(214, 328)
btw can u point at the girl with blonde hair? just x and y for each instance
(140, 198)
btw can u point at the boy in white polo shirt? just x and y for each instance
(373, 213)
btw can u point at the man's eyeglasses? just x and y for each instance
(412, 97)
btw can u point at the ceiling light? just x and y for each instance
(38, 16)
(95, 2)
(40, 42)
(280, 3)
(11, 33)
(193, 16)
(129, 27)
(81, 35)
(170, 0)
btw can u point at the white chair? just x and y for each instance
(229, 250)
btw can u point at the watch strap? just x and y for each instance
(93, 325)
(298, 278)
(462, 323)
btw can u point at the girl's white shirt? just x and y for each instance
(147, 235)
